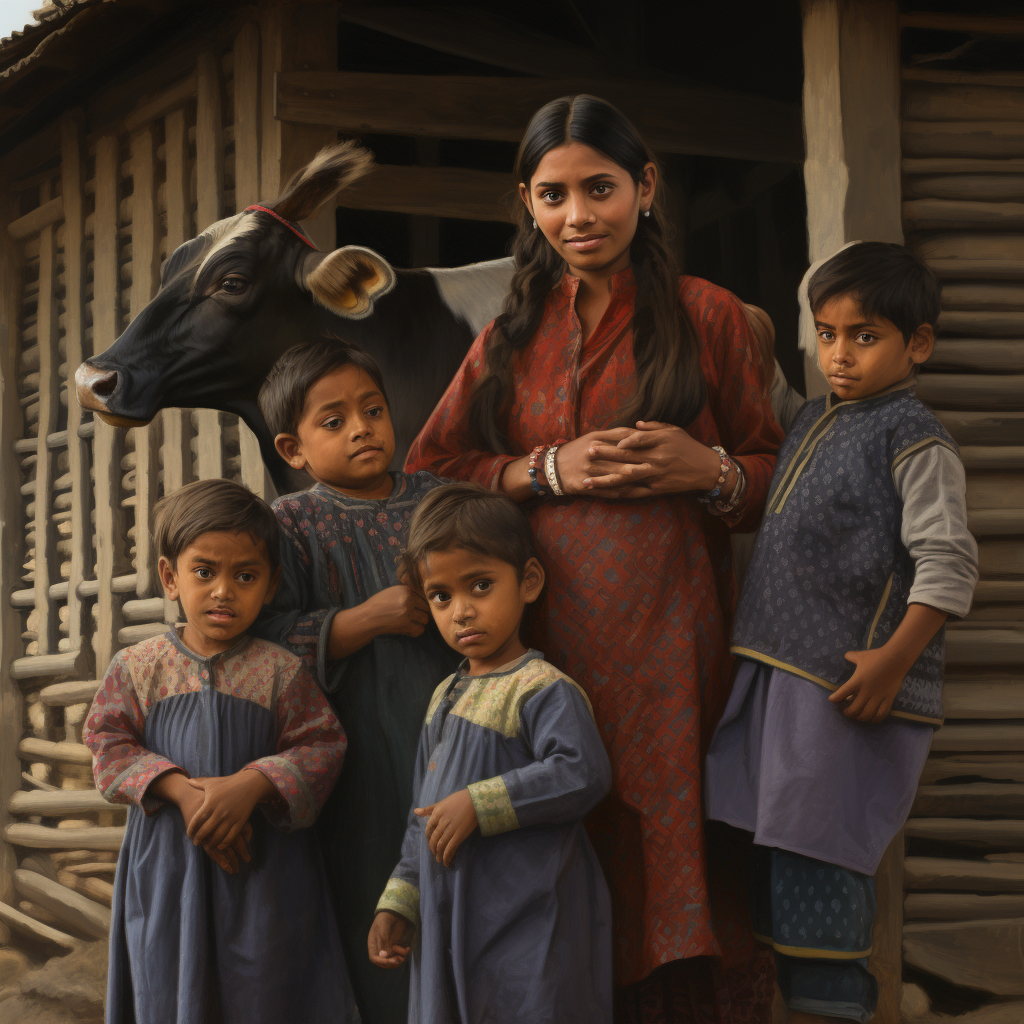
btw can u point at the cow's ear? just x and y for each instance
(347, 281)
(321, 179)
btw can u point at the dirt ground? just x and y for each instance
(64, 990)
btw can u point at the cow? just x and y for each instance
(251, 286)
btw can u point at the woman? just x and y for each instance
(603, 352)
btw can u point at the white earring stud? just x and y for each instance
(535, 223)
(647, 213)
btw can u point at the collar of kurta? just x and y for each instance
(236, 648)
(621, 283)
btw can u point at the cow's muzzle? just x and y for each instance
(94, 388)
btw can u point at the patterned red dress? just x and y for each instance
(640, 594)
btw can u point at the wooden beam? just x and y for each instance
(966, 801)
(170, 99)
(944, 214)
(984, 646)
(983, 736)
(979, 832)
(975, 24)
(40, 666)
(984, 428)
(961, 906)
(68, 906)
(887, 933)
(35, 220)
(963, 138)
(50, 752)
(67, 694)
(36, 930)
(39, 837)
(673, 119)
(62, 803)
(928, 102)
(993, 767)
(970, 875)
(971, 391)
(983, 955)
(984, 699)
(993, 356)
(479, 36)
(433, 191)
(944, 77)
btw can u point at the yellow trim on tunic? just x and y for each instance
(879, 610)
(437, 697)
(494, 811)
(403, 898)
(912, 449)
(811, 954)
(746, 652)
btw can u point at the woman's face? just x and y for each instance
(587, 206)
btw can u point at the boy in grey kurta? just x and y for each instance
(365, 637)
(863, 553)
(497, 877)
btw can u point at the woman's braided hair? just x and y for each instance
(669, 384)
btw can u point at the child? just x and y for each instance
(863, 553)
(198, 729)
(341, 606)
(497, 874)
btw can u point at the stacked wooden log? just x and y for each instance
(963, 174)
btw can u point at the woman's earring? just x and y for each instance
(647, 213)
(534, 223)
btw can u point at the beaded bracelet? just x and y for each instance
(532, 470)
(704, 499)
(723, 508)
(551, 471)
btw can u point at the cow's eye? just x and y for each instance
(234, 284)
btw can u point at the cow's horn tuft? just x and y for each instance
(331, 170)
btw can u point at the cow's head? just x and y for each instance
(227, 299)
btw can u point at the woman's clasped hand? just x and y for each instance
(652, 458)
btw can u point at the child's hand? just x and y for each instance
(390, 939)
(399, 610)
(229, 859)
(449, 823)
(872, 688)
(228, 803)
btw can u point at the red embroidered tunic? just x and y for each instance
(640, 594)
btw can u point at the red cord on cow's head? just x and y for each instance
(288, 224)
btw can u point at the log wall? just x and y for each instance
(85, 237)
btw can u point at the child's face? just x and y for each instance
(344, 438)
(477, 603)
(222, 581)
(862, 355)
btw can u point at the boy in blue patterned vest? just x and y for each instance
(863, 553)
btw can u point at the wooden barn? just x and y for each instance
(127, 126)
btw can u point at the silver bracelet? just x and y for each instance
(723, 508)
(551, 472)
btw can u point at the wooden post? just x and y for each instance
(11, 701)
(852, 128)
(49, 360)
(145, 275)
(210, 193)
(74, 339)
(887, 936)
(295, 39)
(107, 441)
(247, 192)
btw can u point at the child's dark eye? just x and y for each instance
(825, 335)
(204, 574)
(482, 586)
(376, 412)
(246, 577)
(332, 424)
(865, 338)
(440, 597)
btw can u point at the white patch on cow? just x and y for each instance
(226, 231)
(474, 293)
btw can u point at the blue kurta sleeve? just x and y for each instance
(292, 619)
(402, 893)
(569, 775)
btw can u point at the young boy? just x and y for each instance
(863, 553)
(497, 874)
(341, 605)
(219, 914)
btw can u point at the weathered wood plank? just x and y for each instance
(887, 933)
(992, 355)
(172, 98)
(1013, 79)
(963, 138)
(39, 837)
(969, 875)
(927, 101)
(209, 209)
(433, 191)
(98, 889)
(42, 665)
(961, 906)
(969, 800)
(997, 767)
(66, 694)
(977, 832)
(975, 24)
(977, 269)
(61, 803)
(74, 341)
(36, 930)
(984, 428)
(68, 906)
(49, 751)
(985, 736)
(986, 955)
(969, 391)
(673, 119)
(942, 214)
(35, 220)
(49, 405)
(983, 295)
(145, 280)
(984, 699)
(984, 646)
(978, 457)
(998, 522)
(142, 631)
(988, 188)
(107, 440)
(972, 245)
(982, 323)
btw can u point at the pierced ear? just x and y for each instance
(287, 446)
(347, 281)
(165, 571)
(922, 344)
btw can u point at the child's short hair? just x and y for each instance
(465, 515)
(887, 279)
(283, 395)
(213, 506)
